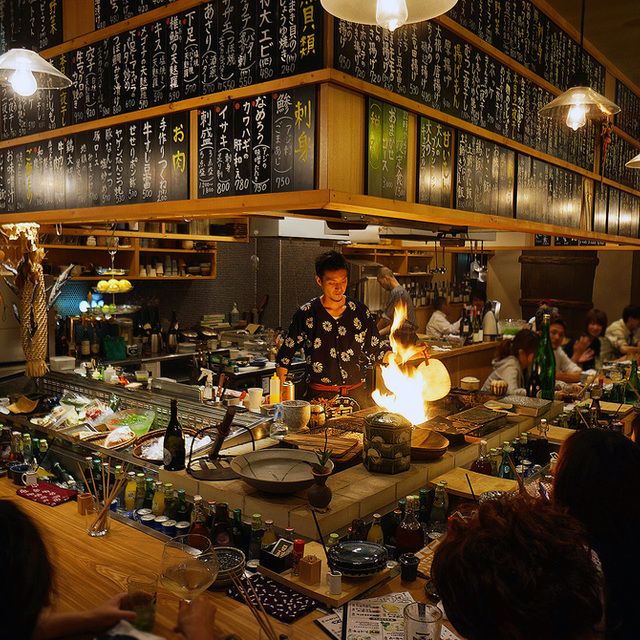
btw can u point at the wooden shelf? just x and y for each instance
(84, 247)
(165, 250)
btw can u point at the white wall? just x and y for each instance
(503, 282)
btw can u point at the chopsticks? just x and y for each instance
(108, 496)
(258, 612)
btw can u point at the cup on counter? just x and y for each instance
(29, 478)
(409, 567)
(334, 582)
(254, 398)
(16, 471)
(97, 525)
(296, 414)
(422, 622)
(142, 596)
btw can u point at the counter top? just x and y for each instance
(464, 350)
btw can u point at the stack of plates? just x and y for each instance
(357, 559)
(232, 563)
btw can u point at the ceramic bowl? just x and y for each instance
(356, 559)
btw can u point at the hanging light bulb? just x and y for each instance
(576, 116)
(23, 82)
(391, 14)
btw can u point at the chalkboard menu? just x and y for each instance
(600, 204)
(618, 154)
(263, 144)
(542, 240)
(547, 193)
(623, 213)
(108, 12)
(217, 46)
(142, 161)
(629, 117)
(485, 176)
(387, 148)
(429, 64)
(435, 145)
(36, 24)
(526, 34)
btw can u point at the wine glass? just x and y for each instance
(189, 566)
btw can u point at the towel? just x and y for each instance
(47, 493)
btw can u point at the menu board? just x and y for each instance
(36, 24)
(619, 153)
(485, 176)
(142, 161)
(435, 143)
(387, 148)
(547, 194)
(629, 117)
(263, 144)
(600, 203)
(431, 65)
(526, 34)
(108, 12)
(216, 46)
(623, 213)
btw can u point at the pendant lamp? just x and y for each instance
(634, 163)
(389, 14)
(25, 71)
(579, 103)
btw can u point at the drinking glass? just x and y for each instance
(422, 622)
(142, 596)
(189, 566)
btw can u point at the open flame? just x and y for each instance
(411, 387)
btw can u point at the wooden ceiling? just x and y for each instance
(612, 26)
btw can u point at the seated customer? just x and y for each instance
(597, 479)
(439, 325)
(26, 581)
(514, 357)
(585, 350)
(566, 369)
(624, 334)
(519, 569)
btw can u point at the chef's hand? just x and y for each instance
(196, 620)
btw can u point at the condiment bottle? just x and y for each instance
(169, 501)
(140, 490)
(221, 530)
(333, 540)
(409, 535)
(274, 389)
(375, 531)
(439, 507)
(198, 526)
(255, 543)
(130, 492)
(157, 505)
(298, 553)
(483, 463)
(269, 536)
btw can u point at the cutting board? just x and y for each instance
(458, 486)
(312, 442)
(351, 587)
(555, 435)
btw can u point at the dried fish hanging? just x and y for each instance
(29, 287)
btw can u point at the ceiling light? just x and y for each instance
(389, 14)
(579, 103)
(25, 71)
(634, 163)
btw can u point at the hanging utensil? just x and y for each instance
(482, 271)
(474, 267)
(434, 269)
(443, 268)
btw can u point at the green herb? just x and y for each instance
(324, 455)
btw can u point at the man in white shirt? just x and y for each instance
(439, 325)
(566, 369)
(623, 335)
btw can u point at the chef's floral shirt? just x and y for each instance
(335, 349)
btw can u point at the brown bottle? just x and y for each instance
(409, 534)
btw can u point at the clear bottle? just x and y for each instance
(169, 501)
(494, 457)
(27, 451)
(130, 492)
(269, 536)
(157, 505)
(375, 530)
(440, 506)
(140, 490)
(483, 463)
(278, 429)
(198, 517)
(410, 535)
(234, 316)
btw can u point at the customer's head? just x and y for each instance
(441, 303)
(596, 323)
(557, 331)
(597, 472)
(523, 347)
(631, 317)
(26, 575)
(518, 570)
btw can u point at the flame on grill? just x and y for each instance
(410, 387)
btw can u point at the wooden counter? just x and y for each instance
(90, 570)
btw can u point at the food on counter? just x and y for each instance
(118, 436)
(138, 420)
(153, 449)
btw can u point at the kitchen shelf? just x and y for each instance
(84, 247)
(165, 250)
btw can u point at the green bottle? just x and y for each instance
(544, 363)
(633, 384)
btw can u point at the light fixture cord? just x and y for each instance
(584, 2)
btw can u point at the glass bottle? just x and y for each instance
(425, 497)
(5, 444)
(257, 531)
(198, 526)
(375, 530)
(140, 490)
(332, 540)
(402, 505)
(516, 456)
(169, 501)
(221, 535)
(505, 467)
(544, 362)
(149, 489)
(357, 530)
(390, 529)
(16, 447)
(27, 451)
(210, 513)
(174, 451)
(183, 511)
(157, 505)
(409, 535)
(483, 463)
(290, 534)
(493, 458)
(440, 504)
(130, 492)
(278, 429)
(237, 531)
(633, 384)
(269, 536)
(525, 451)
(298, 553)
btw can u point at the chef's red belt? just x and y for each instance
(342, 390)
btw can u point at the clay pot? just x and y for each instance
(319, 495)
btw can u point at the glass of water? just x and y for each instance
(422, 622)
(278, 429)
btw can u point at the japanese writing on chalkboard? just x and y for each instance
(36, 24)
(143, 161)
(435, 145)
(262, 144)
(619, 153)
(629, 117)
(216, 46)
(387, 148)
(430, 64)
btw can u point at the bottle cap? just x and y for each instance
(298, 545)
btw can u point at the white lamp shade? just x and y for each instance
(364, 11)
(594, 105)
(634, 163)
(46, 75)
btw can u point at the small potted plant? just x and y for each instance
(319, 494)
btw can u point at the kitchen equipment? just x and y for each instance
(296, 414)
(281, 471)
(232, 563)
(387, 443)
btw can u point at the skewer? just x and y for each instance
(93, 482)
(473, 494)
(266, 616)
(84, 478)
(517, 476)
(243, 592)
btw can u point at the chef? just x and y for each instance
(338, 335)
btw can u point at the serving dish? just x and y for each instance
(150, 446)
(232, 562)
(356, 559)
(99, 440)
(281, 471)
